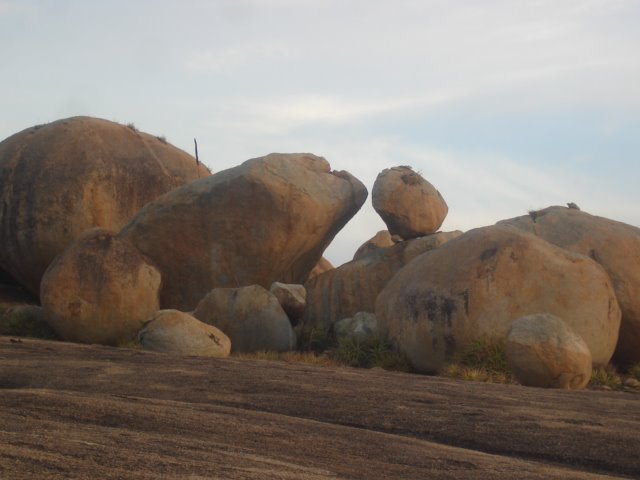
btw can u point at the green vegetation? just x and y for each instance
(481, 361)
(24, 322)
(606, 377)
(371, 353)
(634, 371)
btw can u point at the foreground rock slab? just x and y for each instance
(118, 413)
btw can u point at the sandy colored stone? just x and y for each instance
(172, 331)
(100, 290)
(408, 204)
(292, 298)
(322, 266)
(266, 220)
(353, 287)
(543, 351)
(614, 245)
(251, 316)
(380, 240)
(473, 287)
(60, 179)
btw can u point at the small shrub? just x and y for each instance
(634, 371)
(372, 353)
(605, 377)
(22, 322)
(315, 339)
(162, 138)
(481, 361)
(132, 126)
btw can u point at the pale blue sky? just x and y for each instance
(504, 106)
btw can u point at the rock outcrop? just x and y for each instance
(100, 290)
(60, 179)
(266, 220)
(543, 351)
(251, 316)
(353, 287)
(473, 287)
(614, 245)
(379, 241)
(408, 204)
(322, 266)
(172, 331)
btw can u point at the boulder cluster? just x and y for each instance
(109, 235)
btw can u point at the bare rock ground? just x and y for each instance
(79, 411)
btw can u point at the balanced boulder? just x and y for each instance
(472, 288)
(60, 179)
(543, 351)
(100, 290)
(172, 331)
(353, 287)
(614, 245)
(266, 220)
(251, 316)
(408, 204)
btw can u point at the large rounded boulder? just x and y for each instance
(614, 245)
(266, 220)
(473, 287)
(60, 179)
(172, 331)
(408, 204)
(353, 287)
(100, 290)
(251, 316)
(543, 351)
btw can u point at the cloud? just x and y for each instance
(230, 58)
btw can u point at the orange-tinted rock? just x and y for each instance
(614, 245)
(408, 204)
(60, 179)
(474, 286)
(266, 220)
(100, 290)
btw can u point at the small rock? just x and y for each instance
(172, 331)
(632, 382)
(292, 298)
(543, 351)
(361, 326)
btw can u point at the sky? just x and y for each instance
(503, 106)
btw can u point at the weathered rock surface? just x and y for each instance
(118, 413)
(266, 220)
(292, 298)
(13, 296)
(60, 179)
(362, 326)
(100, 290)
(473, 287)
(614, 245)
(172, 331)
(251, 316)
(353, 287)
(543, 351)
(409, 205)
(380, 240)
(322, 266)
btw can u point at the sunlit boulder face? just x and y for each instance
(353, 287)
(473, 287)
(407, 203)
(266, 220)
(60, 179)
(614, 245)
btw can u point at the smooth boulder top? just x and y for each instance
(614, 245)
(543, 351)
(266, 220)
(407, 203)
(59, 179)
(472, 287)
